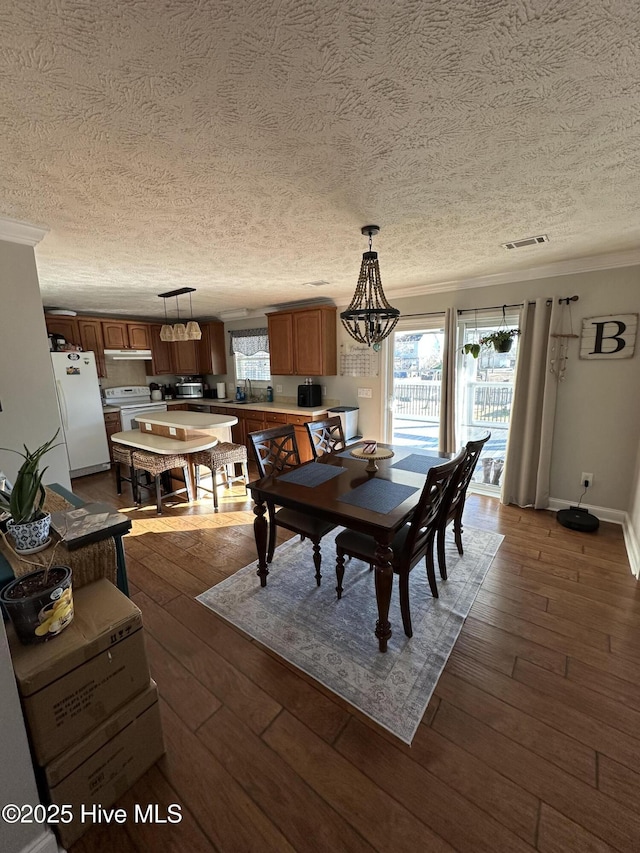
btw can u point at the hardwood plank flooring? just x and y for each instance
(530, 742)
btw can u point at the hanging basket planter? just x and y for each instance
(503, 346)
(501, 341)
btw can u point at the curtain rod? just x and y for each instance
(565, 299)
(490, 308)
(426, 314)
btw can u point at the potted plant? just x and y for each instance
(501, 340)
(39, 603)
(471, 349)
(29, 525)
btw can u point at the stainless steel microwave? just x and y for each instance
(189, 389)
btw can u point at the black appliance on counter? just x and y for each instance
(309, 395)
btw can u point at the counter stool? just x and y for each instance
(157, 464)
(122, 455)
(221, 457)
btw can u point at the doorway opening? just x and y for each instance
(485, 395)
(415, 383)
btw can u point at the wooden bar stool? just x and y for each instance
(223, 457)
(123, 456)
(157, 464)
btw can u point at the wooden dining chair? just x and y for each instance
(326, 436)
(455, 506)
(276, 452)
(410, 544)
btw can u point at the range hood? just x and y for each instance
(128, 354)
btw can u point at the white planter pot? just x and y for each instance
(32, 536)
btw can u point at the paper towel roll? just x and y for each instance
(221, 390)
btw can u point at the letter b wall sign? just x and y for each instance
(612, 336)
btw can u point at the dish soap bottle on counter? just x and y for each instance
(269, 394)
(238, 393)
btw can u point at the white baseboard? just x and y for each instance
(615, 516)
(632, 545)
(45, 843)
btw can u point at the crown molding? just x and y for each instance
(572, 266)
(14, 231)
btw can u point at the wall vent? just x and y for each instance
(528, 241)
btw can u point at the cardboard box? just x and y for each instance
(76, 680)
(99, 769)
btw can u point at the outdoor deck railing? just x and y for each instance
(488, 403)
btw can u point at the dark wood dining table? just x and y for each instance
(326, 501)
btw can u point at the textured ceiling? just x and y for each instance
(238, 146)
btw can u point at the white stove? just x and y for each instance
(133, 401)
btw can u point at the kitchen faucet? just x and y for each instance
(250, 389)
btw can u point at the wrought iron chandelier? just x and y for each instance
(369, 319)
(179, 332)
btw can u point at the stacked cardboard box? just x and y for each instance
(90, 705)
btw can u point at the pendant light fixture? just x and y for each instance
(179, 332)
(370, 318)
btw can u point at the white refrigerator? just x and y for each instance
(81, 414)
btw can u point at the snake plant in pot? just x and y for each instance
(29, 525)
(40, 602)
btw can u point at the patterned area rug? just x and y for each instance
(334, 641)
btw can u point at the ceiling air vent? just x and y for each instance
(528, 241)
(315, 283)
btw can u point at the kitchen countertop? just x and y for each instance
(187, 420)
(286, 408)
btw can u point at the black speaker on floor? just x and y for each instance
(578, 519)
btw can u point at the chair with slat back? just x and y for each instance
(276, 452)
(455, 509)
(413, 542)
(325, 436)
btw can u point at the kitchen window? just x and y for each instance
(250, 349)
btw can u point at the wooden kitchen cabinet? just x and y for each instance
(281, 344)
(139, 335)
(250, 420)
(238, 432)
(90, 331)
(118, 334)
(112, 424)
(212, 355)
(114, 333)
(303, 342)
(185, 357)
(65, 326)
(253, 422)
(161, 354)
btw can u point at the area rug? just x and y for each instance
(334, 642)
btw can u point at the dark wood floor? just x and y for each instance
(531, 741)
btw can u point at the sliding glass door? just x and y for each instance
(414, 382)
(485, 392)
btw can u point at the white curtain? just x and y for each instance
(527, 469)
(447, 437)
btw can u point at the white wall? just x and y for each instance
(632, 526)
(17, 782)
(27, 393)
